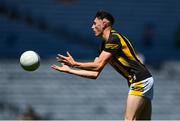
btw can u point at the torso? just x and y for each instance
(124, 58)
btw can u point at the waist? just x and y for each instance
(138, 77)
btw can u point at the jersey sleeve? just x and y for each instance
(113, 44)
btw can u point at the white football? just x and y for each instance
(30, 60)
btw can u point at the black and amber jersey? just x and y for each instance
(124, 58)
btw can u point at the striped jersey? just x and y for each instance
(124, 58)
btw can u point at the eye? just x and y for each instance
(94, 23)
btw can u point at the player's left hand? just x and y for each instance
(68, 60)
(62, 68)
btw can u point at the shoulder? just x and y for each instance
(113, 42)
(114, 38)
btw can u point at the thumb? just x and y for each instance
(68, 54)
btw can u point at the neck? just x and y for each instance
(106, 33)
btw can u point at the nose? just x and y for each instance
(92, 26)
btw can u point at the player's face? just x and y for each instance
(98, 27)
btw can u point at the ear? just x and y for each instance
(105, 23)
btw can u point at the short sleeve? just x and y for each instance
(113, 44)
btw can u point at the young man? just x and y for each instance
(117, 50)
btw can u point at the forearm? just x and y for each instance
(91, 66)
(96, 65)
(84, 73)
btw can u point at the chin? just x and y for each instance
(97, 34)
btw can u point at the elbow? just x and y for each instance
(99, 67)
(95, 75)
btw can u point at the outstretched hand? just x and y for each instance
(68, 60)
(62, 68)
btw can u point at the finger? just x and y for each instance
(68, 54)
(54, 67)
(61, 56)
(63, 61)
(58, 58)
(65, 64)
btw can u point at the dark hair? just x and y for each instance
(101, 14)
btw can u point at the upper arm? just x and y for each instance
(110, 48)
